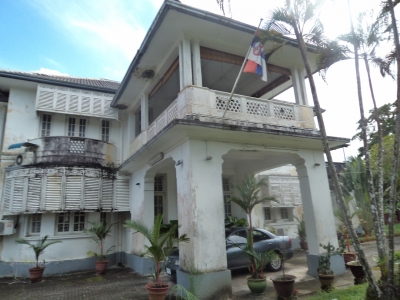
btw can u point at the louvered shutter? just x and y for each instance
(53, 193)
(109, 111)
(85, 108)
(73, 103)
(45, 100)
(7, 194)
(107, 193)
(61, 101)
(18, 194)
(92, 193)
(97, 106)
(34, 194)
(73, 192)
(121, 194)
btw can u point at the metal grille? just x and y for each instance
(77, 146)
(234, 104)
(283, 112)
(257, 108)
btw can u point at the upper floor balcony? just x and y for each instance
(72, 151)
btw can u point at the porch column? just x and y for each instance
(318, 211)
(299, 86)
(197, 78)
(201, 216)
(185, 63)
(144, 111)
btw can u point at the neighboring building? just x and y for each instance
(165, 132)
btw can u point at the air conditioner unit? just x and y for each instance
(26, 158)
(6, 227)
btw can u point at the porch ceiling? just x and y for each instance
(270, 138)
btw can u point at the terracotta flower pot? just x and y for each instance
(101, 266)
(35, 274)
(284, 288)
(326, 281)
(304, 245)
(156, 292)
(257, 286)
(348, 257)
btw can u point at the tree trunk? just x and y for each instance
(393, 181)
(340, 199)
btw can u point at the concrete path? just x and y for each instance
(123, 283)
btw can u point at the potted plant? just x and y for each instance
(249, 191)
(325, 274)
(357, 271)
(156, 251)
(301, 231)
(100, 231)
(36, 273)
(348, 255)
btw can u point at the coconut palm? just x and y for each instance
(100, 231)
(39, 247)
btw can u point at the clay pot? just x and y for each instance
(304, 245)
(348, 257)
(284, 288)
(101, 266)
(257, 286)
(326, 281)
(155, 292)
(35, 274)
(357, 271)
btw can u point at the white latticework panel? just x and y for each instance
(34, 194)
(234, 104)
(73, 190)
(77, 146)
(283, 112)
(172, 112)
(161, 122)
(257, 108)
(151, 132)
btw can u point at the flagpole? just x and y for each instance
(240, 73)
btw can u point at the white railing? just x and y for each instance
(166, 117)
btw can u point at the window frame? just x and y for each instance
(32, 221)
(227, 194)
(70, 221)
(269, 210)
(159, 193)
(105, 130)
(79, 126)
(283, 211)
(45, 125)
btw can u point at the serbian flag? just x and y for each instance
(256, 59)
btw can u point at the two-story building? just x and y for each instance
(160, 144)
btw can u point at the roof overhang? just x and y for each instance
(157, 51)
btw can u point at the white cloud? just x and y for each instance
(50, 72)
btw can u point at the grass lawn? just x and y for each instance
(372, 237)
(356, 292)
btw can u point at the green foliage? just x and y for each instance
(355, 292)
(233, 221)
(37, 248)
(157, 250)
(324, 261)
(301, 228)
(99, 232)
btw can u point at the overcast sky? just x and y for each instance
(99, 38)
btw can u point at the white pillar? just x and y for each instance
(144, 110)
(299, 87)
(197, 79)
(185, 63)
(318, 211)
(201, 216)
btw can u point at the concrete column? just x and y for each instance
(185, 63)
(197, 77)
(201, 216)
(299, 86)
(144, 110)
(318, 211)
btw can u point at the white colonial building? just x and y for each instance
(80, 150)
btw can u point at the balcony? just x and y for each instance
(72, 151)
(210, 105)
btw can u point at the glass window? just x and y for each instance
(158, 184)
(105, 130)
(284, 213)
(159, 194)
(82, 127)
(259, 236)
(46, 125)
(71, 127)
(36, 222)
(267, 213)
(227, 195)
(64, 221)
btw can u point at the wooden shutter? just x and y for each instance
(61, 101)
(107, 192)
(97, 106)
(45, 100)
(85, 108)
(34, 194)
(7, 194)
(121, 193)
(53, 193)
(73, 192)
(73, 103)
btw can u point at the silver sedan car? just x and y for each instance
(264, 241)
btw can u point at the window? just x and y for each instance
(267, 214)
(72, 127)
(284, 213)
(159, 194)
(227, 195)
(259, 236)
(36, 222)
(70, 222)
(105, 130)
(46, 125)
(138, 122)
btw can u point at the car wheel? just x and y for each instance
(275, 264)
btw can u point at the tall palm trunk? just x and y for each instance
(370, 184)
(380, 205)
(393, 180)
(340, 199)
